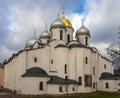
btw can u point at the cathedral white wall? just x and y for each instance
(42, 55)
(54, 89)
(102, 69)
(61, 58)
(31, 85)
(54, 57)
(66, 88)
(87, 67)
(72, 64)
(113, 85)
(103, 62)
(13, 71)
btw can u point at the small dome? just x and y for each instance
(45, 34)
(31, 42)
(82, 31)
(57, 23)
(67, 22)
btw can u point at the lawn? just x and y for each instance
(92, 95)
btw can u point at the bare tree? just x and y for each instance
(114, 52)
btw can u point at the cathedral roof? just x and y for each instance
(35, 72)
(59, 80)
(45, 34)
(82, 31)
(57, 23)
(66, 21)
(108, 76)
(32, 41)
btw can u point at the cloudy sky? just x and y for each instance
(18, 18)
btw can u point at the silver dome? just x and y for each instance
(31, 42)
(82, 31)
(44, 34)
(57, 23)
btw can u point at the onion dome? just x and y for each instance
(57, 23)
(66, 21)
(45, 33)
(32, 41)
(82, 31)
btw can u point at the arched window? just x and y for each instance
(68, 38)
(86, 40)
(80, 80)
(93, 70)
(65, 68)
(35, 59)
(107, 85)
(41, 86)
(60, 89)
(86, 60)
(61, 35)
(66, 77)
(104, 66)
(94, 85)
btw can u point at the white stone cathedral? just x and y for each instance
(54, 63)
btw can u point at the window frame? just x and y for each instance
(68, 38)
(86, 41)
(80, 80)
(60, 89)
(41, 86)
(107, 85)
(86, 60)
(35, 59)
(61, 35)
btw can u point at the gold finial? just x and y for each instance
(34, 31)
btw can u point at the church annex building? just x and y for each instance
(54, 63)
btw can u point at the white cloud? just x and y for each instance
(102, 19)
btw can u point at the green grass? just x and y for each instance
(92, 95)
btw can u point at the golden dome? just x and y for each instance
(66, 21)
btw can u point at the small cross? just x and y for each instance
(46, 25)
(63, 10)
(58, 13)
(82, 21)
(34, 31)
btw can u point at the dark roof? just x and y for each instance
(35, 72)
(75, 45)
(108, 76)
(59, 80)
(60, 45)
